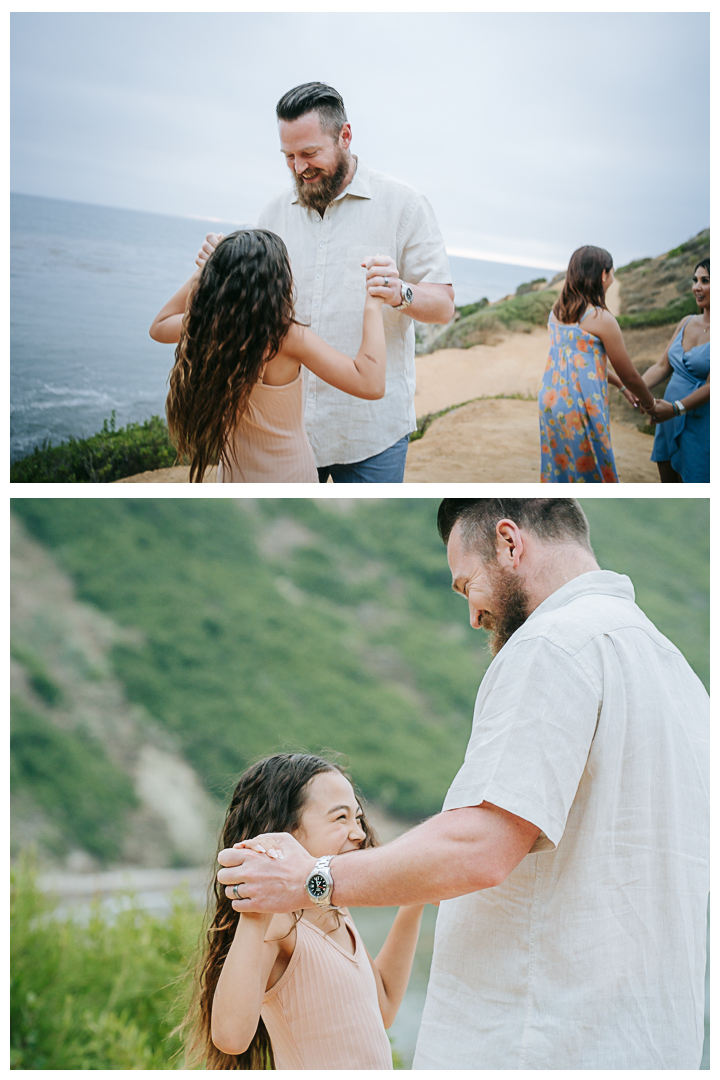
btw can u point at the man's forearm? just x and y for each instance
(432, 303)
(456, 852)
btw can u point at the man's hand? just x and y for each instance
(270, 872)
(383, 279)
(211, 242)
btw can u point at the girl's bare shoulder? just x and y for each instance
(297, 339)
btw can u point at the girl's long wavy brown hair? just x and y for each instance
(269, 797)
(583, 286)
(237, 316)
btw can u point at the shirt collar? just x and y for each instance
(358, 186)
(596, 582)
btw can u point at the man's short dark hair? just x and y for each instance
(556, 521)
(314, 97)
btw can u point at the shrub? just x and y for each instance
(96, 994)
(110, 455)
(68, 775)
(38, 677)
(672, 313)
(519, 313)
(530, 286)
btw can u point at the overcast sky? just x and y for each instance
(531, 134)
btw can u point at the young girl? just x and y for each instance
(299, 992)
(236, 388)
(574, 409)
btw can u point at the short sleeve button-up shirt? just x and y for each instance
(591, 954)
(374, 215)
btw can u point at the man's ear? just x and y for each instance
(509, 543)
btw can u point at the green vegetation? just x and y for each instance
(519, 313)
(294, 623)
(620, 270)
(671, 313)
(96, 994)
(110, 455)
(68, 775)
(37, 676)
(650, 290)
(530, 286)
(347, 637)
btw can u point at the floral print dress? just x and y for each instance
(574, 412)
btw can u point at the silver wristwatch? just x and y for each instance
(407, 297)
(679, 408)
(319, 884)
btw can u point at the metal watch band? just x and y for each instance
(407, 296)
(679, 408)
(322, 867)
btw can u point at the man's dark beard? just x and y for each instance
(319, 195)
(512, 607)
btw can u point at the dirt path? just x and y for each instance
(498, 442)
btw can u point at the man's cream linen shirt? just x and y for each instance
(374, 215)
(591, 954)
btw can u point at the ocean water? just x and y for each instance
(86, 282)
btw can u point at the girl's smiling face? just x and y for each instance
(330, 821)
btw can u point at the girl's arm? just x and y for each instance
(393, 963)
(168, 322)
(242, 983)
(363, 377)
(605, 326)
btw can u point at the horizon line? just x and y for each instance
(510, 260)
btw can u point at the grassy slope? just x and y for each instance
(292, 623)
(655, 292)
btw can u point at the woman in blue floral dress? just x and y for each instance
(574, 412)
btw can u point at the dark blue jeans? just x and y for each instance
(387, 467)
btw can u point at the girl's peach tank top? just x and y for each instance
(323, 1013)
(269, 444)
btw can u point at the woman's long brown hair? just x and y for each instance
(269, 797)
(237, 317)
(583, 286)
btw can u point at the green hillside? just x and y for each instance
(655, 292)
(262, 624)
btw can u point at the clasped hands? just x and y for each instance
(382, 278)
(661, 411)
(269, 871)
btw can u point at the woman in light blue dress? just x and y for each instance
(682, 437)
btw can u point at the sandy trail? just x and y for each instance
(498, 442)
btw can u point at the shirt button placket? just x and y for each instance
(321, 233)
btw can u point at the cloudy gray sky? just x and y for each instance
(530, 133)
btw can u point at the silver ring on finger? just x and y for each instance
(386, 282)
(237, 894)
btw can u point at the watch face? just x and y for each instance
(408, 294)
(317, 886)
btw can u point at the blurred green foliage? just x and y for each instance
(67, 774)
(110, 455)
(298, 623)
(43, 685)
(98, 993)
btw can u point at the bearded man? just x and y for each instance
(571, 854)
(338, 213)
